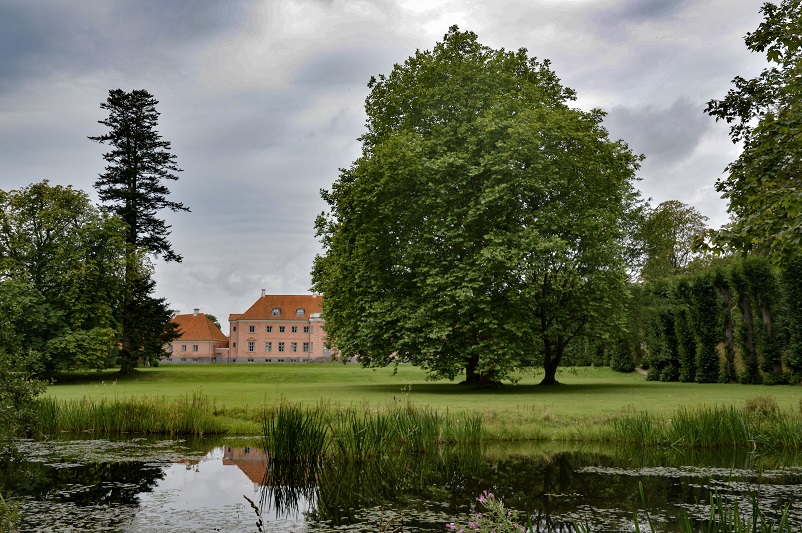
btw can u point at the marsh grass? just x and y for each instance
(359, 433)
(191, 415)
(758, 424)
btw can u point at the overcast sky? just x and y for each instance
(263, 101)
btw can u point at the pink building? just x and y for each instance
(200, 341)
(278, 329)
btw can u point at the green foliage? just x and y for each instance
(61, 276)
(792, 288)
(9, 516)
(686, 340)
(493, 518)
(133, 188)
(706, 328)
(18, 390)
(765, 114)
(667, 236)
(481, 230)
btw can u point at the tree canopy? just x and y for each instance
(133, 187)
(765, 113)
(668, 233)
(482, 228)
(61, 277)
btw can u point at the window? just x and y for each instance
(293, 346)
(276, 311)
(281, 346)
(235, 345)
(194, 347)
(183, 347)
(307, 347)
(268, 346)
(281, 360)
(281, 329)
(250, 360)
(270, 329)
(251, 329)
(268, 360)
(307, 329)
(184, 359)
(251, 346)
(295, 329)
(235, 328)
(300, 311)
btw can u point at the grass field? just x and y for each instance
(587, 396)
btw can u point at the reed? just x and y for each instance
(295, 435)
(357, 434)
(765, 427)
(190, 415)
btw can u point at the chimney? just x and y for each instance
(196, 311)
(263, 293)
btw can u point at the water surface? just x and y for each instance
(144, 485)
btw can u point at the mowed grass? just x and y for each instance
(585, 402)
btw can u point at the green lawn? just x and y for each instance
(586, 393)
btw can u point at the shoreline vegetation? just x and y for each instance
(766, 419)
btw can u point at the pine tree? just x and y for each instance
(132, 187)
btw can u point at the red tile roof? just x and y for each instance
(198, 328)
(288, 304)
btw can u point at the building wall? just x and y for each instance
(263, 341)
(191, 351)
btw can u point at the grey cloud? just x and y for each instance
(665, 136)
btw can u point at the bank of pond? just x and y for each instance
(366, 430)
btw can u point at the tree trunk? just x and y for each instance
(551, 361)
(729, 335)
(473, 377)
(128, 316)
(750, 355)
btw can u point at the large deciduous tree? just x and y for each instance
(481, 230)
(667, 235)
(61, 277)
(763, 184)
(133, 187)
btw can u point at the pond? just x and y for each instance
(155, 485)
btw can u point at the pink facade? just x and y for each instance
(278, 329)
(200, 341)
(275, 329)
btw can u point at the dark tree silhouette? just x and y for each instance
(133, 187)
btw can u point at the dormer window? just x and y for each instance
(300, 311)
(276, 311)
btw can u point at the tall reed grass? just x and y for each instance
(190, 415)
(760, 424)
(309, 434)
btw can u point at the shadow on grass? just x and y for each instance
(456, 389)
(94, 376)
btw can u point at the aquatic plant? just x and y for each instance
(190, 415)
(759, 424)
(494, 518)
(9, 516)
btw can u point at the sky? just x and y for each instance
(263, 102)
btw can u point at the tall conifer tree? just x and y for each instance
(133, 187)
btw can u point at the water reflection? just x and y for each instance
(147, 485)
